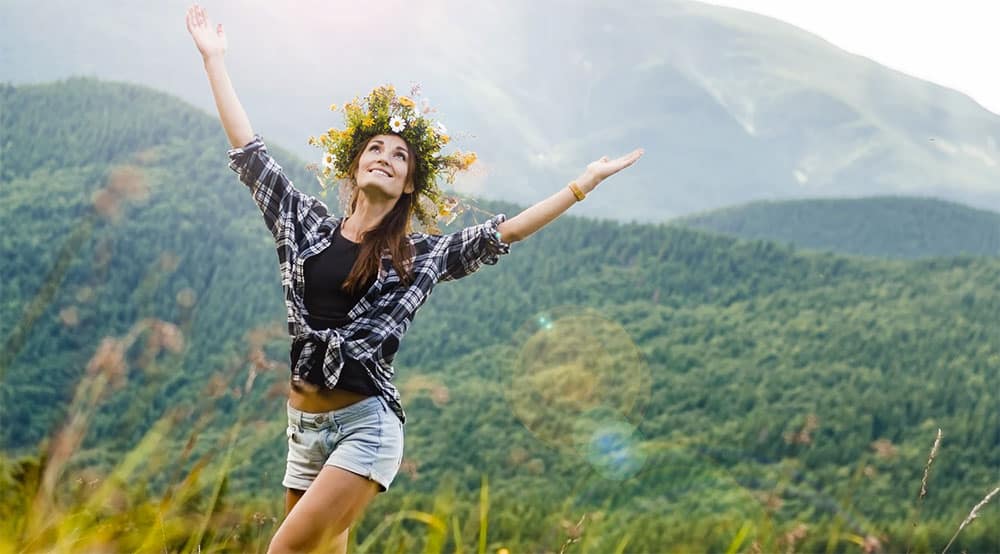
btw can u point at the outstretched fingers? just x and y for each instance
(605, 167)
(210, 38)
(628, 159)
(195, 20)
(199, 16)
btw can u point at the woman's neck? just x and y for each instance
(366, 216)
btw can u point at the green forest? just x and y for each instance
(884, 227)
(606, 387)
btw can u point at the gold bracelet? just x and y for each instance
(576, 191)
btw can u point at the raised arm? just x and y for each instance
(282, 205)
(537, 216)
(211, 43)
(463, 252)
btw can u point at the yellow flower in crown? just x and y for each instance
(383, 112)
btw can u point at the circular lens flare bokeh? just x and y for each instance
(580, 383)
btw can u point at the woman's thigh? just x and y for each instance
(325, 511)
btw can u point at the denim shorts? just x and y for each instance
(365, 438)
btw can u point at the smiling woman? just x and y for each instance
(345, 417)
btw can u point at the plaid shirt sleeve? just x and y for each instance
(273, 192)
(463, 252)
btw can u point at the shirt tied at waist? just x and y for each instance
(303, 348)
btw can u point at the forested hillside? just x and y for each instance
(680, 388)
(886, 227)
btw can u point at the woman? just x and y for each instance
(353, 285)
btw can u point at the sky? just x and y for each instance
(953, 43)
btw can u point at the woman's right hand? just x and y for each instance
(210, 40)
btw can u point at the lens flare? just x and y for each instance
(580, 383)
(612, 447)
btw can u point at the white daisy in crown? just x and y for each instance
(397, 124)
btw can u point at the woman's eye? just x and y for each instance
(400, 155)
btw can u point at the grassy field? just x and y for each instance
(161, 498)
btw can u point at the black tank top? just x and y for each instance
(328, 306)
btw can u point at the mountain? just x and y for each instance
(675, 381)
(731, 107)
(888, 227)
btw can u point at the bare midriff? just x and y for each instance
(309, 398)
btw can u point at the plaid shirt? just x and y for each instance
(302, 226)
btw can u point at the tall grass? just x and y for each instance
(171, 491)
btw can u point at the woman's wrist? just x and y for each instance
(587, 182)
(213, 59)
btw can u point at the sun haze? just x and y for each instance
(949, 43)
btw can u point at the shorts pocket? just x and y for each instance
(308, 444)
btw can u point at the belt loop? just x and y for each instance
(332, 417)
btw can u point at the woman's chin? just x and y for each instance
(372, 188)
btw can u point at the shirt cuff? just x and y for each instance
(239, 157)
(496, 244)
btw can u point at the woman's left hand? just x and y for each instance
(603, 168)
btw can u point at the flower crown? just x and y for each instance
(383, 112)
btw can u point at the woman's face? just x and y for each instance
(384, 164)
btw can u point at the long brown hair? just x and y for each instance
(391, 233)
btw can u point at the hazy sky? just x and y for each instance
(953, 43)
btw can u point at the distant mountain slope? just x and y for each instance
(739, 368)
(730, 106)
(890, 227)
